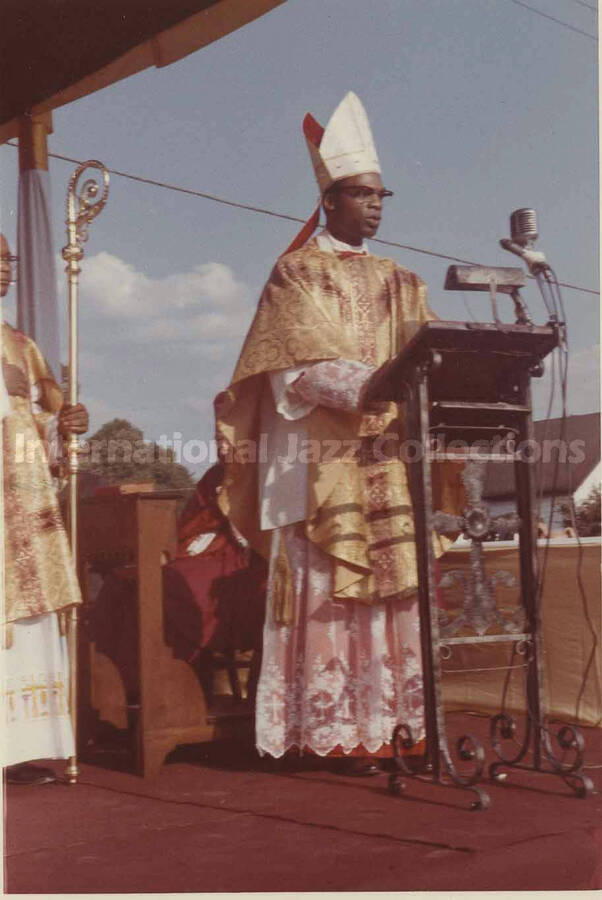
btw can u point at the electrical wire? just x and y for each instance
(554, 19)
(278, 215)
(551, 275)
(546, 430)
(587, 5)
(554, 315)
(550, 290)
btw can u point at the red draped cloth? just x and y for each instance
(214, 600)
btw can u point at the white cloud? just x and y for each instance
(204, 327)
(112, 287)
(205, 304)
(156, 351)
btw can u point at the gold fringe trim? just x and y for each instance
(8, 635)
(283, 598)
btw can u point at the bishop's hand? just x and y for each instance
(370, 400)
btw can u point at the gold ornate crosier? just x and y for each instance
(85, 200)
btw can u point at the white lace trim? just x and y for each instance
(335, 383)
(343, 674)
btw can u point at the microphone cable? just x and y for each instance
(552, 297)
(555, 287)
(550, 289)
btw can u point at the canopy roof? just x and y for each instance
(55, 51)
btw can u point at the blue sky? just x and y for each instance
(477, 106)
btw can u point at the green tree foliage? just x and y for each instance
(587, 515)
(118, 453)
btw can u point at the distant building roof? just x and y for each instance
(579, 454)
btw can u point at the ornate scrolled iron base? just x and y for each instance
(468, 749)
(570, 742)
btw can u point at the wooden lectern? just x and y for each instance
(468, 396)
(165, 701)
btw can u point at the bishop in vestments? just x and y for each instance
(327, 499)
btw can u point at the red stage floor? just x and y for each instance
(219, 820)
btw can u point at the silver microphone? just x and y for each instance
(523, 231)
(523, 227)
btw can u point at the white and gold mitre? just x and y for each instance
(346, 147)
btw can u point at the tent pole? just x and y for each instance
(37, 306)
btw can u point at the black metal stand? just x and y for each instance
(470, 384)
(538, 735)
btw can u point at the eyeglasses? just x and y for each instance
(363, 193)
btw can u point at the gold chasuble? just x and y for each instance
(319, 305)
(39, 574)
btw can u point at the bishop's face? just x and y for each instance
(353, 207)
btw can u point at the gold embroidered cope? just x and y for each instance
(318, 306)
(39, 574)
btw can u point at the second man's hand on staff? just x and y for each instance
(73, 419)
